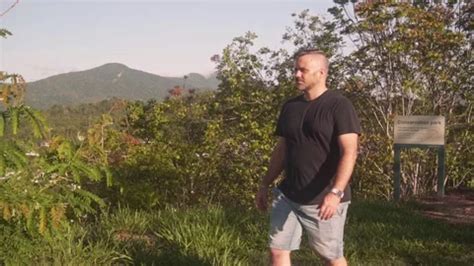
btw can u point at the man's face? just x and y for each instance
(308, 72)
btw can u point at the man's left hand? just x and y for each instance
(329, 206)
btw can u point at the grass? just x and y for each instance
(377, 233)
(74, 246)
(388, 233)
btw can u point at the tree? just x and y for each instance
(408, 60)
(41, 186)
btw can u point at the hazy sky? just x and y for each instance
(169, 38)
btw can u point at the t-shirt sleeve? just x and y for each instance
(345, 116)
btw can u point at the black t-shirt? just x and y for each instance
(311, 129)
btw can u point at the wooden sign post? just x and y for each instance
(419, 132)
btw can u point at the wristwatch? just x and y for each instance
(337, 192)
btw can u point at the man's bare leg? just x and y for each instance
(339, 262)
(280, 257)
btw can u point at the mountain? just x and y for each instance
(105, 82)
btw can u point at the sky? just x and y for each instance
(167, 38)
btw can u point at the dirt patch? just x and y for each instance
(456, 207)
(126, 236)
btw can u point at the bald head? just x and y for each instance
(317, 58)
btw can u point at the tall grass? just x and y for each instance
(204, 234)
(377, 233)
(73, 246)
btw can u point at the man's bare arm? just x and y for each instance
(277, 164)
(348, 144)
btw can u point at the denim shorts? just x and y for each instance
(288, 219)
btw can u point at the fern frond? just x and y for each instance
(76, 175)
(3, 164)
(30, 220)
(65, 150)
(15, 119)
(57, 214)
(37, 121)
(25, 209)
(42, 221)
(90, 171)
(108, 176)
(2, 124)
(15, 159)
(7, 214)
(15, 155)
(79, 204)
(90, 196)
(5, 93)
(53, 168)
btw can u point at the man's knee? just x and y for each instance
(280, 257)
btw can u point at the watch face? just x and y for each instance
(337, 192)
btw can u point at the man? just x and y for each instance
(317, 147)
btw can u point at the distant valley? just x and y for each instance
(106, 82)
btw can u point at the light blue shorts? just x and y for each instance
(288, 219)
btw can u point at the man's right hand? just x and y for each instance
(261, 200)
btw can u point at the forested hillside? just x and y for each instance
(106, 82)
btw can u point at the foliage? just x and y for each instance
(12, 87)
(214, 147)
(41, 186)
(49, 189)
(4, 33)
(81, 117)
(74, 246)
(169, 159)
(205, 234)
(399, 48)
(163, 140)
(376, 233)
